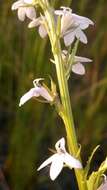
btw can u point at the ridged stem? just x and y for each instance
(64, 92)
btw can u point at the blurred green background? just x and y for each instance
(26, 133)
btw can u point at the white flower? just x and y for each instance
(72, 26)
(37, 91)
(25, 8)
(39, 22)
(59, 160)
(77, 66)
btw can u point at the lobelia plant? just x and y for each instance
(58, 24)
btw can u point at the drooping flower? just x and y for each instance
(77, 66)
(38, 22)
(60, 159)
(25, 9)
(72, 26)
(37, 91)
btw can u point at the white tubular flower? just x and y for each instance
(72, 26)
(37, 91)
(25, 9)
(59, 160)
(38, 22)
(77, 66)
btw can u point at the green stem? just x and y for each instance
(64, 92)
(68, 117)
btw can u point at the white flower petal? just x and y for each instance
(71, 161)
(47, 162)
(58, 12)
(21, 13)
(66, 22)
(36, 81)
(80, 35)
(17, 4)
(82, 59)
(45, 94)
(69, 38)
(28, 1)
(42, 31)
(29, 95)
(30, 12)
(60, 145)
(56, 166)
(34, 23)
(78, 68)
(84, 22)
(103, 186)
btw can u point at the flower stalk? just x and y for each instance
(68, 117)
(66, 114)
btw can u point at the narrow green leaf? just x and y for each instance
(87, 168)
(94, 179)
(79, 151)
(71, 58)
(53, 86)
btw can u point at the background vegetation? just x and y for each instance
(27, 132)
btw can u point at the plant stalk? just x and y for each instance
(68, 118)
(64, 92)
